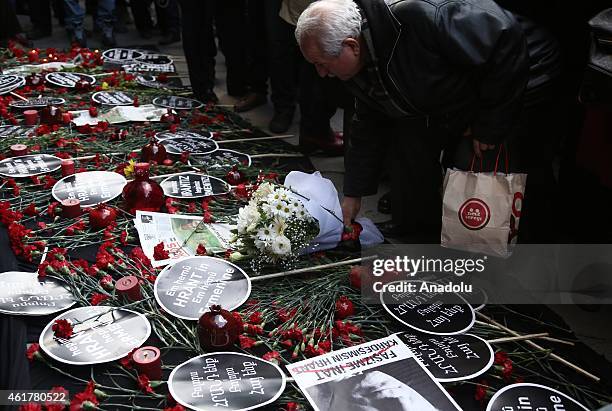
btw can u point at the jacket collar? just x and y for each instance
(384, 27)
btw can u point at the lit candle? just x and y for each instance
(147, 360)
(129, 287)
(67, 168)
(19, 150)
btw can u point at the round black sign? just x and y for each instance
(148, 80)
(176, 102)
(526, 396)
(38, 102)
(194, 185)
(120, 55)
(222, 158)
(67, 79)
(226, 380)
(100, 334)
(183, 133)
(29, 165)
(178, 145)
(477, 297)
(422, 306)
(113, 98)
(90, 187)
(157, 59)
(15, 131)
(9, 82)
(190, 286)
(450, 357)
(28, 294)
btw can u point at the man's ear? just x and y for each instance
(353, 44)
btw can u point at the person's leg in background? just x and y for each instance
(284, 65)
(142, 17)
(317, 106)
(105, 18)
(257, 56)
(230, 19)
(73, 17)
(40, 16)
(199, 47)
(170, 21)
(9, 24)
(122, 16)
(58, 11)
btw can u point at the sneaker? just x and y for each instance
(281, 121)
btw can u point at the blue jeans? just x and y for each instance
(75, 14)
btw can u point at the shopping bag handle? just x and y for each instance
(505, 150)
(472, 163)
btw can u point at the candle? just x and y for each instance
(129, 287)
(67, 168)
(71, 208)
(66, 118)
(147, 360)
(19, 150)
(30, 117)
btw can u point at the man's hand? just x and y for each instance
(350, 209)
(480, 147)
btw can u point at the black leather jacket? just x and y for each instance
(455, 63)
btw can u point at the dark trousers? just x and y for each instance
(199, 42)
(274, 54)
(168, 17)
(9, 25)
(417, 174)
(40, 14)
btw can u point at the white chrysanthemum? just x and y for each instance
(281, 246)
(248, 218)
(262, 192)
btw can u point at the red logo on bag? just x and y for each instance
(474, 214)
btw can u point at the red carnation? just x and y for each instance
(246, 342)
(272, 356)
(97, 298)
(160, 253)
(31, 406)
(144, 384)
(59, 393)
(344, 308)
(33, 352)
(201, 250)
(62, 329)
(85, 400)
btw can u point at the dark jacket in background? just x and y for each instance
(454, 64)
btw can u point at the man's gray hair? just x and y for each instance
(330, 22)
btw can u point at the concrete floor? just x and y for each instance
(589, 327)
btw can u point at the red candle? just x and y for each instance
(71, 208)
(19, 150)
(129, 287)
(67, 168)
(30, 117)
(66, 118)
(147, 360)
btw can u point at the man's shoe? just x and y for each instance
(384, 203)
(78, 39)
(109, 41)
(330, 144)
(208, 97)
(170, 38)
(37, 34)
(282, 120)
(250, 101)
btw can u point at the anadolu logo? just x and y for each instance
(474, 214)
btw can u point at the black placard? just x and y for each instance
(418, 305)
(67, 79)
(450, 357)
(113, 98)
(179, 145)
(9, 82)
(222, 158)
(177, 102)
(226, 380)
(28, 294)
(38, 102)
(90, 187)
(121, 55)
(526, 396)
(149, 80)
(183, 133)
(188, 288)
(153, 58)
(29, 165)
(100, 334)
(15, 131)
(477, 297)
(194, 185)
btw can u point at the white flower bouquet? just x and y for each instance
(274, 226)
